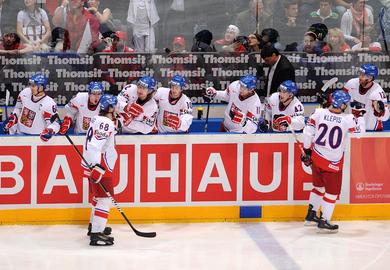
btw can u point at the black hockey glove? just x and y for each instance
(306, 158)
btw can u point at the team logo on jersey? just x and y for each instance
(251, 117)
(101, 135)
(27, 117)
(233, 110)
(150, 121)
(165, 117)
(86, 122)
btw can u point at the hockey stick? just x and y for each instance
(329, 84)
(142, 234)
(7, 94)
(296, 140)
(381, 14)
(207, 115)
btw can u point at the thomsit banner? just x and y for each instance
(186, 170)
(70, 73)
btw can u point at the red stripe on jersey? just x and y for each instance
(100, 213)
(379, 125)
(345, 89)
(47, 115)
(311, 122)
(316, 191)
(352, 130)
(329, 200)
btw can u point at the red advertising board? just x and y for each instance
(15, 174)
(370, 163)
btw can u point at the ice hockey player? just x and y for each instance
(34, 112)
(244, 107)
(284, 109)
(175, 108)
(81, 108)
(100, 153)
(137, 107)
(324, 138)
(369, 102)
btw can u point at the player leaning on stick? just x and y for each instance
(81, 108)
(284, 109)
(369, 102)
(35, 112)
(244, 108)
(100, 153)
(324, 144)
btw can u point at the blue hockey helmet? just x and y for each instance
(340, 97)
(147, 82)
(95, 88)
(39, 79)
(178, 80)
(248, 81)
(289, 86)
(369, 70)
(107, 101)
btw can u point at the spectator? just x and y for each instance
(202, 42)
(366, 42)
(336, 41)
(325, 15)
(290, 25)
(105, 18)
(11, 45)
(178, 44)
(60, 41)
(270, 37)
(280, 69)
(240, 44)
(142, 16)
(254, 18)
(117, 43)
(230, 34)
(83, 27)
(255, 42)
(309, 43)
(355, 19)
(33, 26)
(306, 6)
(342, 6)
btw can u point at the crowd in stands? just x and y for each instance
(90, 26)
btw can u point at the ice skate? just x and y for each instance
(324, 226)
(311, 218)
(100, 239)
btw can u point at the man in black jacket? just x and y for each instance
(280, 69)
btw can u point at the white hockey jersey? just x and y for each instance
(371, 122)
(295, 110)
(145, 122)
(35, 116)
(81, 114)
(328, 131)
(181, 108)
(251, 107)
(100, 139)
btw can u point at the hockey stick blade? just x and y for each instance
(329, 84)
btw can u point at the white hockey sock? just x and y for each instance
(101, 211)
(315, 198)
(94, 202)
(328, 202)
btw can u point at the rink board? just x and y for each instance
(189, 178)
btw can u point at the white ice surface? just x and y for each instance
(214, 246)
